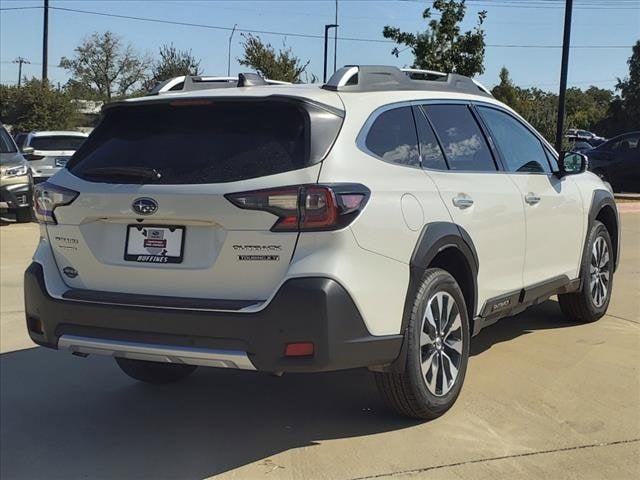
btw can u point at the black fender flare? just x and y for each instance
(434, 238)
(600, 199)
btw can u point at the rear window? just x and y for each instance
(57, 143)
(195, 143)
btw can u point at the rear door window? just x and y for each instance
(430, 151)
(465, 147)
(520, 149)
(56, 143)
(392, 137)
(201, 142)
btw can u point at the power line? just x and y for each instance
(303, 35)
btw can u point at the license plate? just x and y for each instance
(154, 244)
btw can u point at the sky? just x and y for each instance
(522, 35)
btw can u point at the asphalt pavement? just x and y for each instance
(543, 399)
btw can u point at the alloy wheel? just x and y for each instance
(599, 271)
(441, 343)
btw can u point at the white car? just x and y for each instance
(375, 221)
(48, 152)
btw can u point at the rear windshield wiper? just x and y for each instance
(143, 173)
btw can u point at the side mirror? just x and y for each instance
(572, 163)
(27, 150)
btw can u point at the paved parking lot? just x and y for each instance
(543, 399)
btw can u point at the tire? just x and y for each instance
(592, 300)
(425, 396)
(24, 215)
(154, 372)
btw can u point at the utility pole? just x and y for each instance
(335, 40)
(563, 74)
(45, 41)
(229, 54)
(20, 61)
(326, 45)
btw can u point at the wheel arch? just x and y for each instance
(603, 209)
(440, 245)
(447, 246)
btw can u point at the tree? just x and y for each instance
(624, 110)
(37, 106)
(585, 109)
(442, 46)
(104, 65)
(506, 91)
(172, 63)
(283, 65)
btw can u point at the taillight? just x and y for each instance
(46, 197)
(306, 208)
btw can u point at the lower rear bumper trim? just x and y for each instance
(157, 353)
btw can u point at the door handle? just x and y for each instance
(463, 201)
(531, 198)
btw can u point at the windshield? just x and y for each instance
(57, 142)
(196, 143)
(6, 144)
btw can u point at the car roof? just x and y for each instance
(58, 133)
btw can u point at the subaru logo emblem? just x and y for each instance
(145, 206)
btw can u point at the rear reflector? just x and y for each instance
(301, 349)
(306, 208)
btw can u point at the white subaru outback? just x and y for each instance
(379, 220)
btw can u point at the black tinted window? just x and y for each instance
(462, 140)
(520, 149)
(393, 137)
(430, 151)
(211, 143)
(56, 143)
(6, 144)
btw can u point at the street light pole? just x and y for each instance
(20, 61)
(45, 41)
(563, 74)
(326, 45)
(335, 41)
(229, 54)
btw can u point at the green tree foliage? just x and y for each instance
(443, 46)
(624, 110)
(172, 63)
(585, 109)
(282, 65)
(37, 106)
(105, 66)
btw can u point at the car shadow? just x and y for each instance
(64, 417)
(545, 316)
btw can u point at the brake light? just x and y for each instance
(306, 208)
(46, 197)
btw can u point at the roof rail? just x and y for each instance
(373, 78)
(189, 83)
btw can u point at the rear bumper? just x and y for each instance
(317, 310)
(16, 195)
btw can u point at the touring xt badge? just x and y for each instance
(251, 253)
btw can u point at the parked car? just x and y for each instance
(617, 161)
(375, 221)
(16, 183)
(580, 146)
(48, 152)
